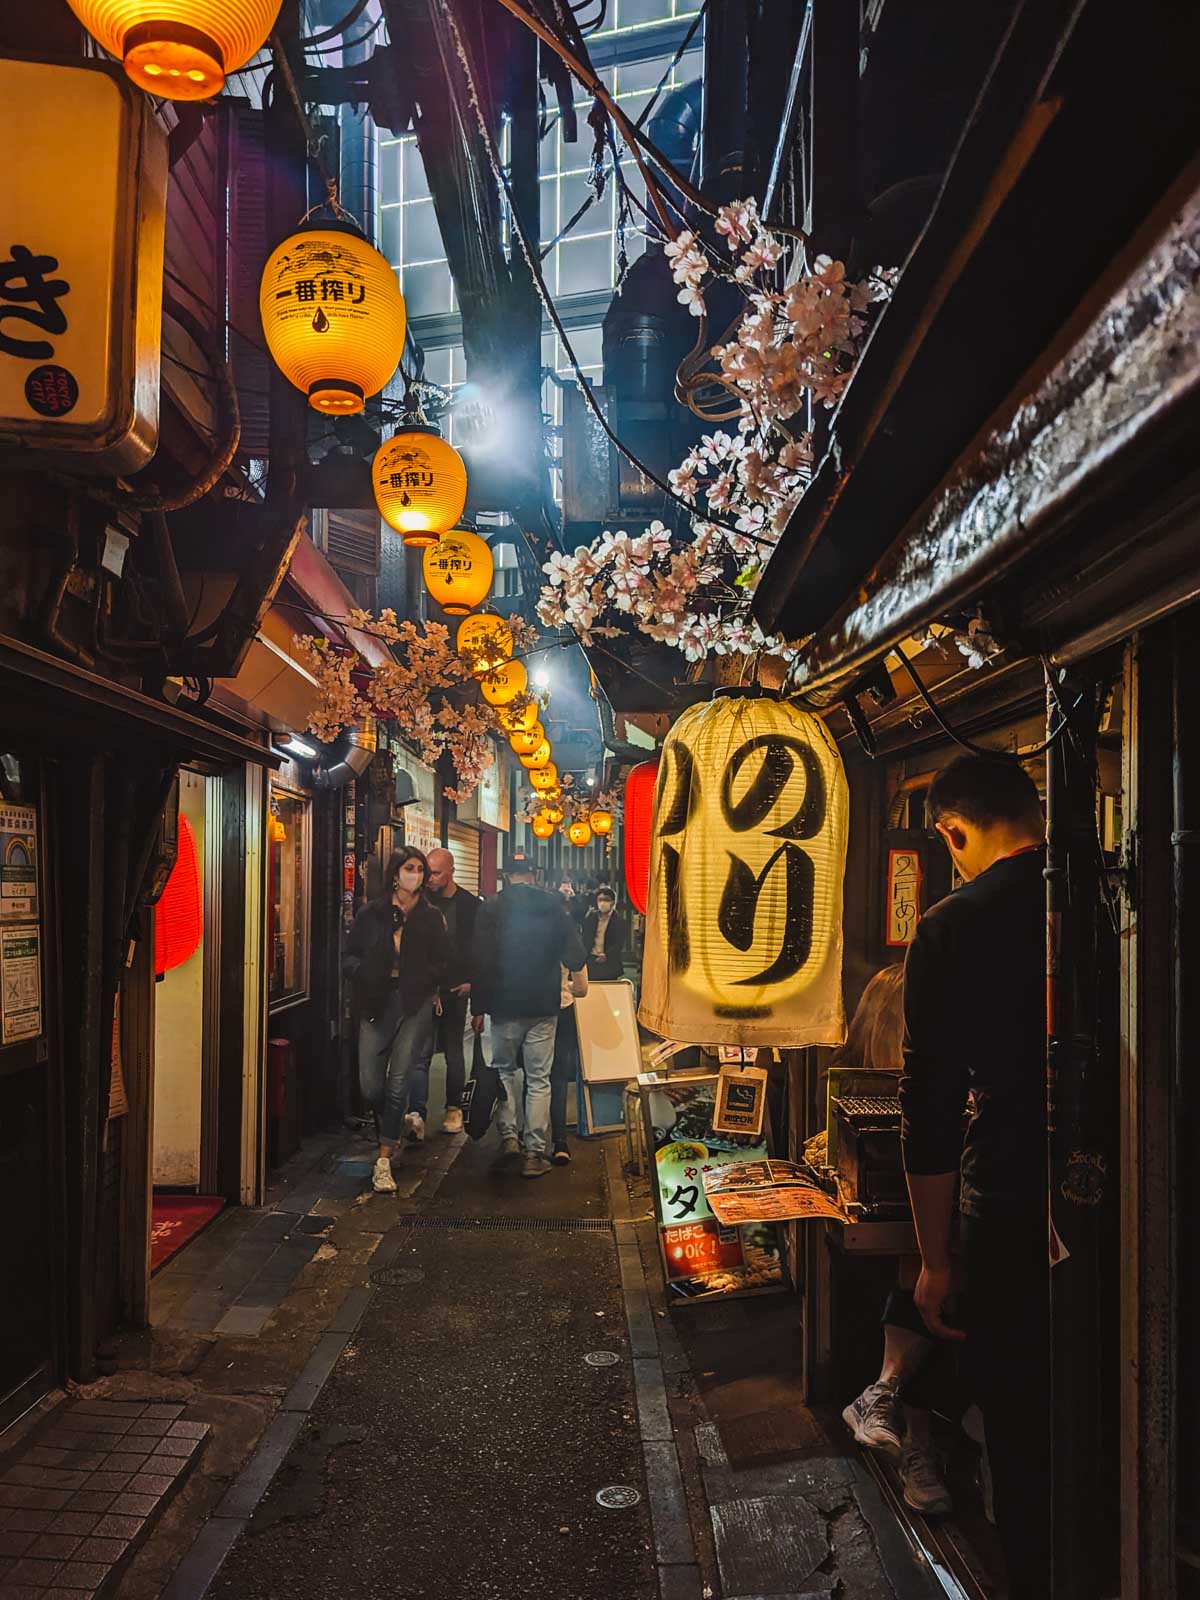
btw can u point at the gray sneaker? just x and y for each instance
(535, 1166)
(876, 1419)
(924, 1487)
(510, 1148)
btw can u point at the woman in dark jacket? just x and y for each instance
(396, 955)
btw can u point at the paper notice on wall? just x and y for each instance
(20, 984)
(18, 863)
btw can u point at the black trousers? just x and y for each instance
(451, 1035)
(1006, 1315)
(564, 1069)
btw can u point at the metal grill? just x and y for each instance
(512, 1224)
(868, 1105)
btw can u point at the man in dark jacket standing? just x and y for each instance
(604, 936)
(460, 908)
(975, 1022)
(523, 939)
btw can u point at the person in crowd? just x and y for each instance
(566, 1062)
(396, 956)
(975, 1021)
(604, 935)
(523, 939)
(884, 1417)
(452, 1027)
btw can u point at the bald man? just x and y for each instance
(460, 908)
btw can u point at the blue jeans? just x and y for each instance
(534, 1036)
(393, 1058)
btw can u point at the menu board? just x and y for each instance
(701, 1256)
(768, 1191)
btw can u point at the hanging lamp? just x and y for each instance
(526, 741)
(333, 316)
(553, 814)
(458, 573)
(504, 685)
(179, 49)
(542, 828)
(420, 484)
(537, 758)
(485, 640)
(544, 778)
(601, 821)
(519, 718)
(579, 834)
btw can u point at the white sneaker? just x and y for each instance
(381, 1179)
(414, 1127)
(924, 1487)
(454, 1120)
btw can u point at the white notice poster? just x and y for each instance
(20, 984)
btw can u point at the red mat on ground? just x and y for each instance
(176, 1219)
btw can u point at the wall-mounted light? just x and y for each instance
(297, 747)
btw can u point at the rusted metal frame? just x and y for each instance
(1149, 1214)
(1129, 374)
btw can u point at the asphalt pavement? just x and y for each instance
(459, 1445)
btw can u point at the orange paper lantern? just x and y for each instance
(518, 719)
(458, 572)
(505, 684)
(542, 829)
(545, 778)
(179, 49)
(553, 814)
(333, 316)
(526, 740)
(486, 640)
(537, 758)
(601, 821)
(579, 834)
(420, 486)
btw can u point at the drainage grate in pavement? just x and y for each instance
(397, 1277)
(512, 1224)
(617, 1497)
(602, 1358)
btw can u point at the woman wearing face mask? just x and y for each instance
(396, 954)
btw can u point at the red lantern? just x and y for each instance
(639, 814)
(178, 916)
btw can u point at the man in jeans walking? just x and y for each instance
(523, 939)
(460, 908)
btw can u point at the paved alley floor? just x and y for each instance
(460, 1441)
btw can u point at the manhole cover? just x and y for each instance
(397, 1277)
(617, 1497)
(602, 1358)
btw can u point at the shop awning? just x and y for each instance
(1078, 512)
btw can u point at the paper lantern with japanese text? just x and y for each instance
(505, 684)
(519, 718)
(542, 828)
(601, 821)
(748, 852)
(537, 758)
(526, 740)
(179, 49)
(639, 813)
(420, 485)
(579, 834)
(545, 778)
(333, 316)
(485, 640)
(458, 573)
(552, 813)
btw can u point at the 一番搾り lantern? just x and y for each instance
(525, 741)
(518, 717)
(748, 852)
(544, 779)
(601, 821)
(485, 640)
(503, 685)
(639, 813)
(537, 758)
(542, 827)
(333, 316)
(553, 814)
(579, 834)
(420, 486)
(179, 49)
(458, 573)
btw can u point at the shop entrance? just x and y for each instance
(186, 953)
(29, 1151)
